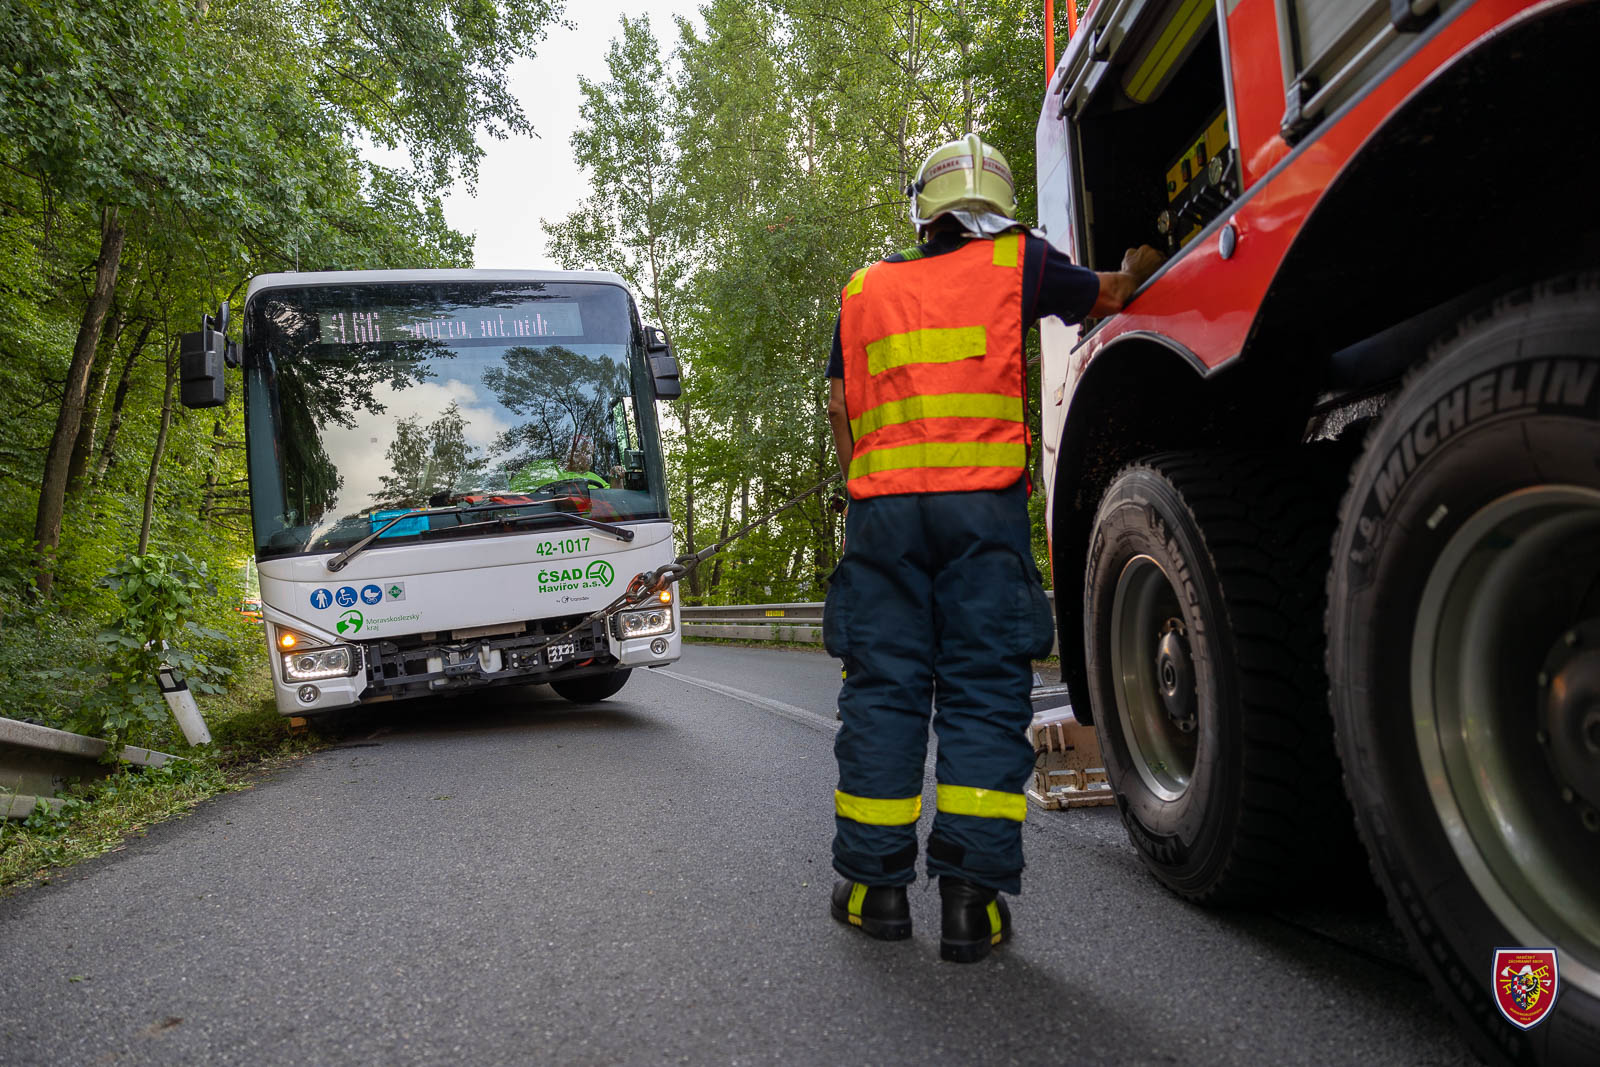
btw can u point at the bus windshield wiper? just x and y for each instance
(337, 563)
(621, 532)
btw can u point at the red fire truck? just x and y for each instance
(1324, 498)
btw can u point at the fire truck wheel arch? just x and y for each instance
(1464, 614)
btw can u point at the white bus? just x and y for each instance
(446, 469)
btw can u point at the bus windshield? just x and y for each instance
(364, 402)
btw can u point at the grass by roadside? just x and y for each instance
(249, 737)
(737, 642)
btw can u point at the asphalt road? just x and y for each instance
(523, 880)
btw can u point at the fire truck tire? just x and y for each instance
(1464, 657)
(1203, 597)
(593, 688)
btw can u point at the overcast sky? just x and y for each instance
(522, 179)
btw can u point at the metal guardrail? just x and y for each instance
(811, 609)
(799, 622)
(35, 761)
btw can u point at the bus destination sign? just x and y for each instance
(452, 323)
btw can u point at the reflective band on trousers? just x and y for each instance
(939, 406)
(938, 454)
(940, 345)
(984, 803)
(873, 811)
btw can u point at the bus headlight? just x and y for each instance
(315, 663)
(644, 623)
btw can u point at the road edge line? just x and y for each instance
(777, 707)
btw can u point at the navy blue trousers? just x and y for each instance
(936, 610)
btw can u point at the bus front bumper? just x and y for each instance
(388, 673)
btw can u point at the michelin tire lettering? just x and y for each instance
(1553, 386)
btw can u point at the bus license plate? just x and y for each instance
(560, 652)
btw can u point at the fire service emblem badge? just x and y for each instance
(1525, 983)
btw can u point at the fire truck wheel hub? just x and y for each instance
(1175, 673)
(1569, 719)
(1504, 694)
(1156, 691)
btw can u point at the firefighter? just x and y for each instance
(937, 601)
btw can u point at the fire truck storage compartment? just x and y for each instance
(1156, 155)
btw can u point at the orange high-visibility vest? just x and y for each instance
(933, 371)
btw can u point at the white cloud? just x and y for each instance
(522, 179)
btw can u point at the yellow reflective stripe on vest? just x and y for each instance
(875, 812)
(984, 803)
(941, 454)
(940, 345)
(940, 406)
(1005, 250)
(856, 281)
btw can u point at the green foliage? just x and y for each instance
(44, 661)
(154, 632)
(49, 820)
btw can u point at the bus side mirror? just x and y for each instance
(202, 355)
(663, 365)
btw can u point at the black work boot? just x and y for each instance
(881, 911)
(975, 920)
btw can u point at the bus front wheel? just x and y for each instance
(593, 688)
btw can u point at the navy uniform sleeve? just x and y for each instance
(836, 358)
(1054, 285)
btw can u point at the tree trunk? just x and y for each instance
(688, 497)
(158, 451)
(209, 500)
(83, 444)
(108, 450)
(53, 486)
(727, 517)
